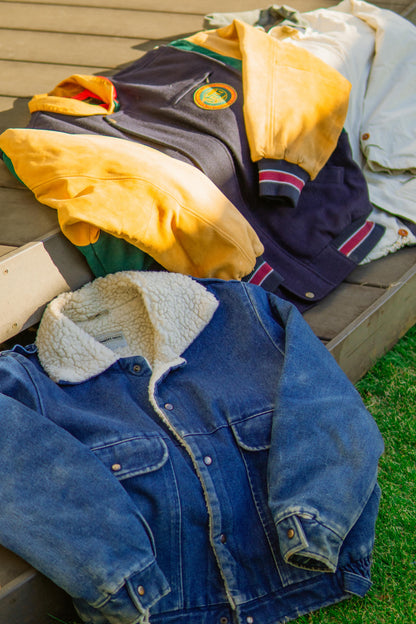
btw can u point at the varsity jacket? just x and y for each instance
(287, 169)
(181, 450)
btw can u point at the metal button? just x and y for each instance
(223, 538)
(290, 533)
(403, 232)
(116, 467)
(207, 460)
(223, 620)
(250, 620)
(137, 368)
(310, 295)
(140, 590)
(365, 136)
(168, 406)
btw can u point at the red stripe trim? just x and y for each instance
(271, 175)
(86, 93)
(83, 95)
(356, 239)
(260, 275)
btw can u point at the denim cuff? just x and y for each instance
(147, 587)
(281, 180)
(132, 601)
(308, 544)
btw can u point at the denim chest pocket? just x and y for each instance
(133, 457)
(254, 432)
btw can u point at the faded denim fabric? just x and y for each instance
(243, 489)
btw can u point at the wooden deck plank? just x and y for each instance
(29, 599)
(80, 50)
(96, 20)
(32, 276)
(24, 79)
(196, 7)
(14, 113)
(23, 218)
(11, 566)
(340, 308)
(385, 271)
(359, 345)
(5, 249)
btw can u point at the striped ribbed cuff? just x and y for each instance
(279, 179)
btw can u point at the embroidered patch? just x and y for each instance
(215, 96)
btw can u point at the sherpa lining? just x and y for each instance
(153, 314)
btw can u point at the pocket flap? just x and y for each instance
(254, 433)
(128, 458)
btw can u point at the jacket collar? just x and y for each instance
(153, 314)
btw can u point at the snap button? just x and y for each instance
(403, 232)
(140, 590)
(223, 538)
(169, 406)
(310, 295)
(365, 136)
(290, 533)
(137, 368)
(207, 460)
(116, 467)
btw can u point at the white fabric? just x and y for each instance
(153, 314)
(375, 49)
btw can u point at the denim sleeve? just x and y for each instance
(63, 512)
(324, 451)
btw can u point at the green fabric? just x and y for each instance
(110, 254)
(10, 167)
(183, 44)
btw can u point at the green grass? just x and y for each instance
(389, 392)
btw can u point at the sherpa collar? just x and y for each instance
(153, 314)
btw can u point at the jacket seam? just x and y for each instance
(39, 398)
(260, 321)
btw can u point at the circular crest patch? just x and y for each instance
(215, 96)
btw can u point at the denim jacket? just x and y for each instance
(182, 450)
